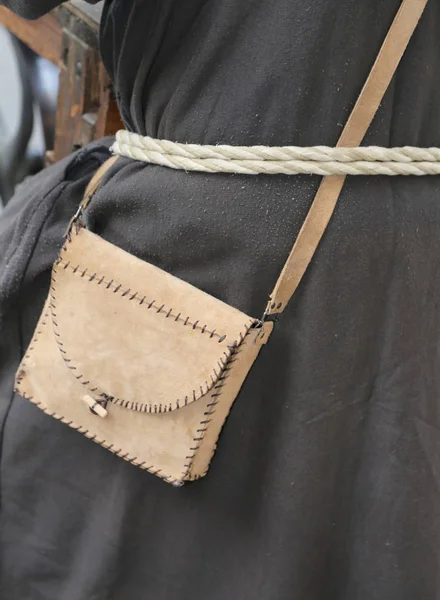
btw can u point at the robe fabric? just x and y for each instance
(325, 484)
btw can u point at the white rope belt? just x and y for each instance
(286, 160)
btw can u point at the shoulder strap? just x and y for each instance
(354, 131)
(324, 203)
(95, 181)
(91, 188)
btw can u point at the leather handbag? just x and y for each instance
(142, 362)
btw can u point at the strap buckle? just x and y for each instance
(88, 194)
(268, 315)
(74, 221)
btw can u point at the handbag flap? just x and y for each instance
(135, 334)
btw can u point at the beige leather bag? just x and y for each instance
(142, 362)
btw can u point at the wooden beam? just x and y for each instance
(42, 35)
(68, 37)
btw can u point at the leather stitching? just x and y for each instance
(87, 433)
(130, 295)
(197, 441)
(111, 285)
(212, 406)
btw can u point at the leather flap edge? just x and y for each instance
(134, 334)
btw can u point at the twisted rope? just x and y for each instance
(286, 160)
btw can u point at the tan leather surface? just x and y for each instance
(236, 371)
(176, 363)
(132, 331)
(166, 444)
(354, 131)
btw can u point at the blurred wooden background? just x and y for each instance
(68, 37)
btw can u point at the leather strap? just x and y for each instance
(354, 131)
(324, 203)
(96, 180)
(91, 189)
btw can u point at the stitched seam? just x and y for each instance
(34, 340)
(212, 406)
(111, 447)
(131, 405)
(130, 294)
(131, 459)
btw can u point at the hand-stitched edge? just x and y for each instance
(111, 284)
(131, 405)
(212, 406)
(86, 432)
